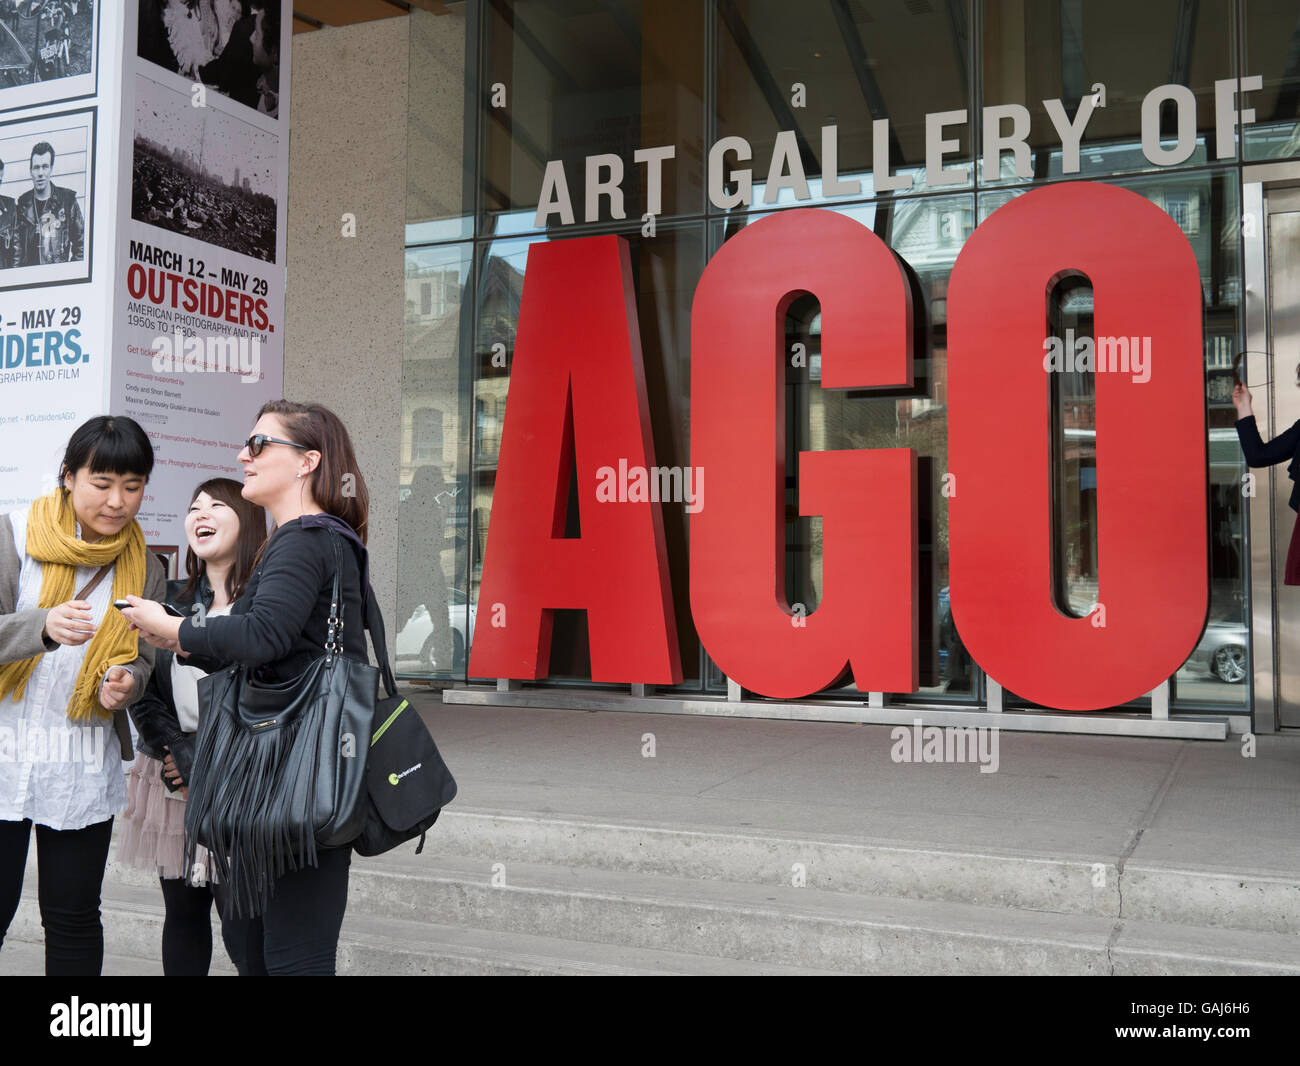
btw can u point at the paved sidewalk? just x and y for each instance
(1193, 805)
(1080, 854)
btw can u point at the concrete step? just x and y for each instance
(1149, 949)
(598, 932)
(133, 914)
(803, 927)
(1101, 885)
(1211, 897)
(133, 921)
(23, 959)
(994, 879)
(388, 946)
(511, 893)
(1207, 896)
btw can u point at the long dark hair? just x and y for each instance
(252, 534)
(336, 483)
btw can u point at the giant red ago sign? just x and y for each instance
(577, 396)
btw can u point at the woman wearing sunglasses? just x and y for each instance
(298, 463)
(1282, 447)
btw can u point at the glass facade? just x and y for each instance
(538, 81)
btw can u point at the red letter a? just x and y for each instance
(577, 394)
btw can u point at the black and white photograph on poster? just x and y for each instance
(203, 172)
(232, 46)
(46, 193)
(48, 51)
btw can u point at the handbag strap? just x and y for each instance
(93, 583)
(375, 623)
(334, 624)
(373, 619)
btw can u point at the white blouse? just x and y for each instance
(185, 693)
(185, 685)
(58, 773)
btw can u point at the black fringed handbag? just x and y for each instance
(280, 769)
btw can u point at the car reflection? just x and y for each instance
(417, 641)
(1222, 651)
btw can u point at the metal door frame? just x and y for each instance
(1258, 184)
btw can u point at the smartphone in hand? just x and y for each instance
(175, 612)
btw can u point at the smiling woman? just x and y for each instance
(224, 532)
(71, 665)
(288, 895)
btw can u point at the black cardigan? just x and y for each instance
(155, 714)
(1283, 446)
(279, 623)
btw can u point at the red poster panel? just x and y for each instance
(577, 397)
(1150, 447)
(867, 499)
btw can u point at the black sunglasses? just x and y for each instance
(258, 441)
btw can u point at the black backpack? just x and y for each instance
(407, 781)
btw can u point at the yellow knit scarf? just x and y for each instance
(52, 541)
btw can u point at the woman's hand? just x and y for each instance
(169, 770)
(156, 626)
(118, 687)
(1241, 401)
(69, 623)
(162, 643)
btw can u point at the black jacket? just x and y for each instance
(1284, 446)
(69, 228)
(279, 623)
(155, 714)
(10, 233)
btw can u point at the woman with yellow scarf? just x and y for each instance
(69, 666)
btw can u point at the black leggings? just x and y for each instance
(70, 870)
(298, 933)
(187, 928)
